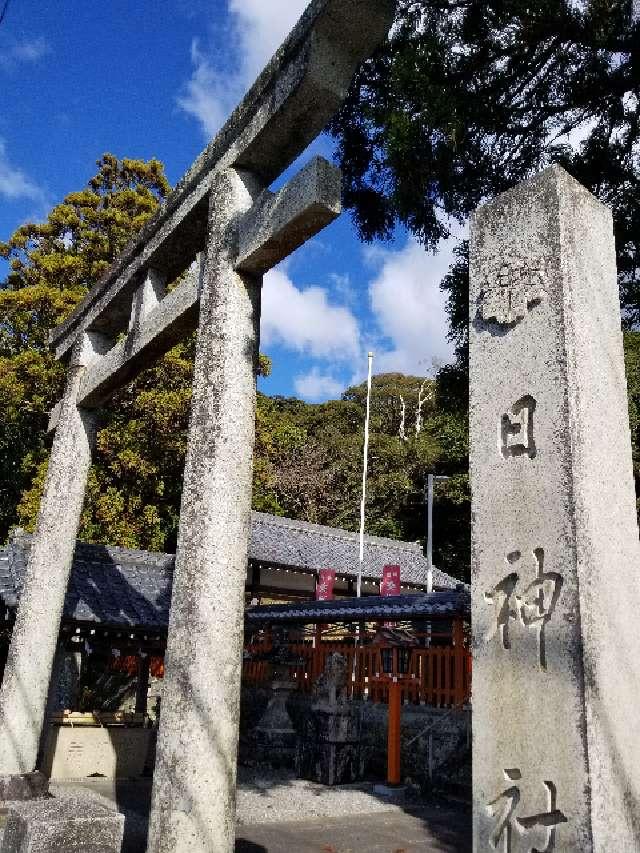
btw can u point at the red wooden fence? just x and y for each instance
(438, 675)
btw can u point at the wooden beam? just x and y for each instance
(142, 684)
(394, 733)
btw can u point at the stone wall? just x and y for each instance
(440, 761)
(435, 745)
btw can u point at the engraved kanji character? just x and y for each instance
(540, 600)
(516, 433)
(508, 822)
(550, 820)
(504, 825)
(505, 601)
(534, 608)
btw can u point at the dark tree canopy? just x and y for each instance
(470, 97)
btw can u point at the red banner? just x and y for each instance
(324, 587)
(390, 581)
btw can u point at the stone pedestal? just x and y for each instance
(68, 824)
(329, 752)
(25, 786)
(273, 740)
(555, 554)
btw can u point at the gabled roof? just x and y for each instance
(127, 587)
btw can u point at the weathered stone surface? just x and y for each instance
(23, 697)
(555, 554)
(193, 804)
(273, 740)
(280, 222)
(329, 750)
(174, 317)
(286, 108)
(277, 225)
(23, 786)
(74, 823)
(290, 103)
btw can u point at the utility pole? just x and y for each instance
(365, 465)
(431, 479)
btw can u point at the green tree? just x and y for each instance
(310, 463)
(52, 265)
(308, 458)
(469, 97)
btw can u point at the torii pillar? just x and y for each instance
(193, 804)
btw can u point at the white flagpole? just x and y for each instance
(365, 465)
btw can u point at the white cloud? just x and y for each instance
(409, 307)
(14, 184)
(262, 28)
(305, 320)
(205, 93)
(315, 386)
(29, 50)
(257, 30)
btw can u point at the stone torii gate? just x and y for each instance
(223, 214)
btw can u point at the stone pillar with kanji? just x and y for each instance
(555, 553)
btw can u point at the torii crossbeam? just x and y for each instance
(224, 228)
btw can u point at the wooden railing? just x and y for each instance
(439, 675)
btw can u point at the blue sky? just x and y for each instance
(156, 79)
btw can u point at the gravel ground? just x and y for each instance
(311, 817)
(263, 796)
(270, 797)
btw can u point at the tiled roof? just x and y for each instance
(114, 586)
(121, 586)
(287, 542)
(397, 607)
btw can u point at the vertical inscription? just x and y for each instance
(511, 287)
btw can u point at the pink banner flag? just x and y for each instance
(390, 585)
(324, 587)
(390, 581)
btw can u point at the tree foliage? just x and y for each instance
(469, 97)
(309, 463)
(52, 265)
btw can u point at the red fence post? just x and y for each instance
(393, 733)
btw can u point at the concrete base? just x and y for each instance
(76, 752)
(24, 786)
(396, 793)
(73, 823)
